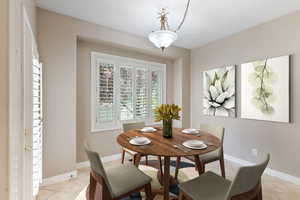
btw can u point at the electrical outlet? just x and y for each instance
(254, 152)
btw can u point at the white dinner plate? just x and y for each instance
(133, 141)
(148, 129)
(190, 131)
(194, 144)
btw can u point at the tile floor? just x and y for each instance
(273, 188)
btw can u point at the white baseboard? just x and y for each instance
(268, 171)
(59, 178)
(82, 164)
(73, 174)
(104, 160)
(111, 158)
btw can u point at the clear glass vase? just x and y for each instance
(167, 128)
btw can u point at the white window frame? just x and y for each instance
(123, 61)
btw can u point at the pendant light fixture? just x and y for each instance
(164, 37)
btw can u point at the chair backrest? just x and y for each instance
(217, 131)
(96, 164)
(130, 126)
(247, 178)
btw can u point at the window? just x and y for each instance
(124, 90)
(37, 126)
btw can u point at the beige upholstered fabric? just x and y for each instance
(129, 151)
(130, 126)
(217, 131)
(247, 177)
(125, 178)
(96, 163)
(208, 157)
(210, 186)
(120, 179)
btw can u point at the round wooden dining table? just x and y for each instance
(167, 148)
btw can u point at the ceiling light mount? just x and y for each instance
(164, 37)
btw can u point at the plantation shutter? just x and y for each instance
(126, 93)
(141, 94)
(104, 94)
(156, 89)
(124, 90)
(37, 125)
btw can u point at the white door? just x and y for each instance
(32, 114)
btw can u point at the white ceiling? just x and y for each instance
(207, 20)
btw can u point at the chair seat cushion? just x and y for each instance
(208, 186)
(125, 178)
(207, 157)
(129, 151)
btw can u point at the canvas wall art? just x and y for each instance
(219, 92)
(265, 89)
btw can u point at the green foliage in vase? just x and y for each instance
(262, 79)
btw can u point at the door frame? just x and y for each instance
(17, 17)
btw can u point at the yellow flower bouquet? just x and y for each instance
(167, 113)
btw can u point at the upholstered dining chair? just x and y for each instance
(127, 127)
(216, 155)
(210, 186)
(115, 180)
(130, 126)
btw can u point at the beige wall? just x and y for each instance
(275, 38)
(57, 41)
(108, 145)
(4, 99)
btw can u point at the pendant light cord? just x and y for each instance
(184, 16)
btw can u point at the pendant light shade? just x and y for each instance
(162, 38)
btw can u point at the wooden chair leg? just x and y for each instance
(177, 167)
(199, 165)
(134, 159)
(258, 195)
(222, 166)
(146, 160)
(92, 187)
(148, 192)
(181, 196)
(123, 156)
(160, 166)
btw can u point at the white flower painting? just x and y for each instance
(219, 92)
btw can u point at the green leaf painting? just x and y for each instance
(219, 92)
(265, 89)
(261, 80)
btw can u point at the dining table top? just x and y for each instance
(171, 147)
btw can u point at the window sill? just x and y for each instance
(95, 131)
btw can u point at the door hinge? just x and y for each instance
(27, 148)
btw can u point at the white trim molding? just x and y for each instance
(59, 178)
(81, 165)
(73, 174)
(268, 171)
